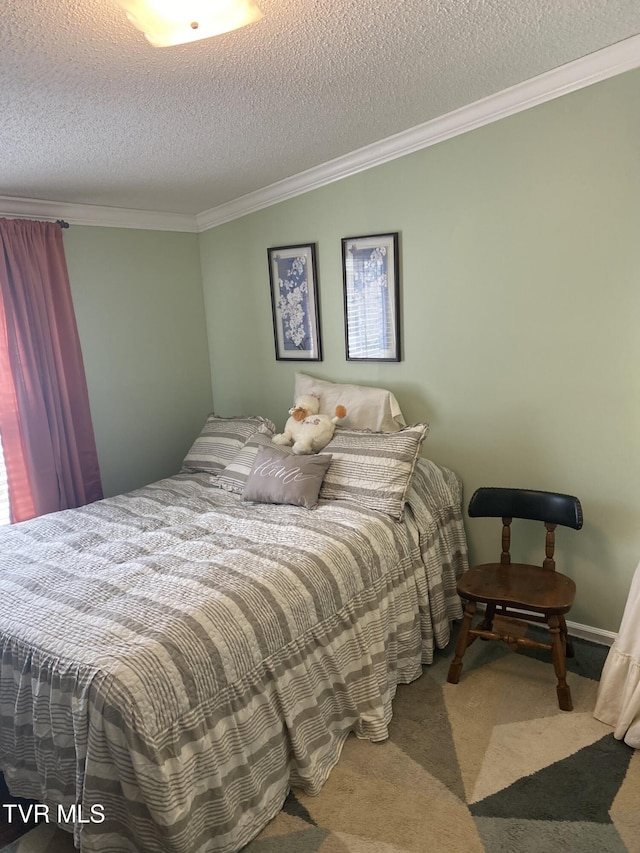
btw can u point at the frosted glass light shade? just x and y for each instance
(167, 22)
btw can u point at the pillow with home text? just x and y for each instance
(281, 477)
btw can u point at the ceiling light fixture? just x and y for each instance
(167, 22)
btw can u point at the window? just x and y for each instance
(45, 420)
(4, 490)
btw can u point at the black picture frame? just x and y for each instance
(371, 284)
(293, 279)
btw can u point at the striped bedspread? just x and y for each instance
(175, 659)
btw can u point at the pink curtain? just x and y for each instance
(45, 421)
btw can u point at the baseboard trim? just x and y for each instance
(594, 635)
(583, 632)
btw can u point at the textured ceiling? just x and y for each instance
(91, 113)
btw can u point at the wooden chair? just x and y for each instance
(534, 593)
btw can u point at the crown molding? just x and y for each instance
(91, 214)
(598, 66)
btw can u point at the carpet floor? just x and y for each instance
(490, 764)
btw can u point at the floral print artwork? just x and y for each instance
(293, 302)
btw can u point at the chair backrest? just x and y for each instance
(550, 507)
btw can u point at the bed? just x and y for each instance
(175, 659)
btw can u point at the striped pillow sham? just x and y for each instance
(374, 469)
(220, 441)
(236, 473)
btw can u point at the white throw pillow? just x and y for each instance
(367, 408)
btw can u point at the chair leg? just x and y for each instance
(455, 668)
(487, 622)
(566, 639)
(559, 664)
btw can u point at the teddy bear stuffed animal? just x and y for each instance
(306, 429)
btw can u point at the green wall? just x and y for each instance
(140, 314)
(520, 302)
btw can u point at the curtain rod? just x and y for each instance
(61, 222)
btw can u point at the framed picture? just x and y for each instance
(370, 269)
(294, 302)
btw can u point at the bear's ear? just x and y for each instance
(299, 414)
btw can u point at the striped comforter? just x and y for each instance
(180, 658)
